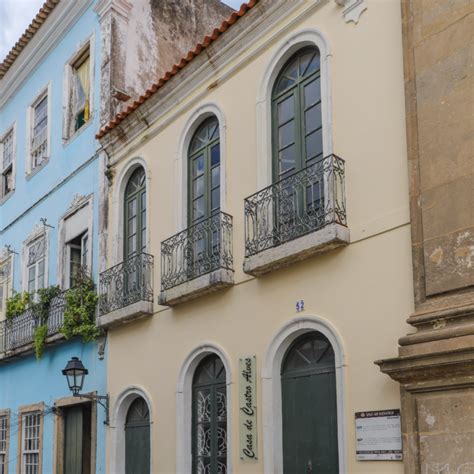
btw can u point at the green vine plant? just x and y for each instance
(17, 304)
(79, 311)
(41, 308)
(79, 314)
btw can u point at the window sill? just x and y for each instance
(328, 238)
(36, 170)
(5, 198)
(71, 138)
(203, 285)
(129, 313)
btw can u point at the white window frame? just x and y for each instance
(46, 92)
(12, 130)
(5, 443)
(69, 247)
(8, 291)
(68, 89)
(63, 263)
(38, 232)
(31, 410)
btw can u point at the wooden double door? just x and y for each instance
(77, 439)
(309, 407)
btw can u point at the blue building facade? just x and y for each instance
(49, 114)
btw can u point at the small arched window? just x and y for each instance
(296, 114)
(204, 159)
(309, 406)
(135, 214)
(137, 438)
(209, 432)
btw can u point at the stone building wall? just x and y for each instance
(436, 364)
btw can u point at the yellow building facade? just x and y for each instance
(321, 252)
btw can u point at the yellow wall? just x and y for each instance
(364, 290)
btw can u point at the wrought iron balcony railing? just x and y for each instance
(196, 251)
(126, 283)
(19, 331)
(302, 203)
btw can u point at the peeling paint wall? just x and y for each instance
(146, 40)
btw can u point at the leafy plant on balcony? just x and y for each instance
(40, 309)
(17, 304)
(79, 314)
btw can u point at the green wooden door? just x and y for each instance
(297, 137)
(309, 407)
(77, 439)
(135, 214)
(137, 438)
(210, 417)
(204, 196)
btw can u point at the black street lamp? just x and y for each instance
(75, 373)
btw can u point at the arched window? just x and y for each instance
(204, 172)
(296, 114)
(309, 406)
(135, 214)
(137, 438)
(209, 431)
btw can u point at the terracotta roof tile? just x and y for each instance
(190, 55)
(45, 10)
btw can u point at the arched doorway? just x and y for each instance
(137, 438)
(309, 406)
(209, 427)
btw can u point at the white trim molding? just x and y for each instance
(353, 9)
(184, 405)
(45, 92)
(282, 52)
(271, 388)
(119, 416)
(39, 231)
(87, 44)
(117, 207)
(192, 123)
(78, 203)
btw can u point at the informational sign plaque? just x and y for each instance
(378, 436)
(248, 408)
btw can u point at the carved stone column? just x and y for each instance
(435, 365)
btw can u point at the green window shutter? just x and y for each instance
(296, 114)
(204, 172)
(135, 220)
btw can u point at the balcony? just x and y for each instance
(126, 291)
(197, 260)
(297, 217)
(17, 334)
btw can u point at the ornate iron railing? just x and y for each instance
(126, 283)
(295, 206)
(200, 249)
(19, 331)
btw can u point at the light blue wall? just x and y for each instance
(27, 381)
(72, 169)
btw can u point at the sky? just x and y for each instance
(16, 15)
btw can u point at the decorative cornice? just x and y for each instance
(60, 22)
(37, 231)
(353, 9)
(120, 7)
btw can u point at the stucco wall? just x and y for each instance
(363, 290)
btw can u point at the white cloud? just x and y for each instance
(15, 16)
